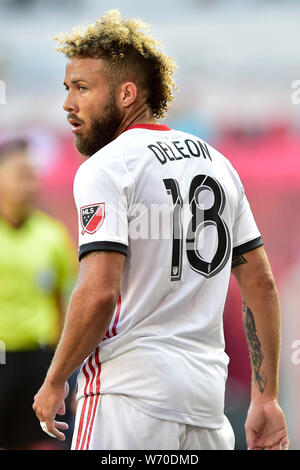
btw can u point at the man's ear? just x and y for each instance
(128, 94)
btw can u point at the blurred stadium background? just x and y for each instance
(238, 60)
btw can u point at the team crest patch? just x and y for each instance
(92, 217)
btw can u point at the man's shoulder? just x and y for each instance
(107, 155)
(110, 160)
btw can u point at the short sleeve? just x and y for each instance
(246, 236)
(101, 197)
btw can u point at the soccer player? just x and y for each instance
(37, 272)
(145, 318)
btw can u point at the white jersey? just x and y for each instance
(178, 211)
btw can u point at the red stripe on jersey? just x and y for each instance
(114, 329)
(152, 127)
(107, 335)
(98, 364)
(87, 378)
(92, 422)
(92, 369)
(89, 397)
(91, 401)
(93, 407)
(79, 433)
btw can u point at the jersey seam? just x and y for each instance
(124, 159)
(127, 169)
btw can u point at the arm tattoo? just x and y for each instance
(237, 261)
(94, 253)
(254, 347)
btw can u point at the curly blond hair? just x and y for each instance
(130, 53)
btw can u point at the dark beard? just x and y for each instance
(102, 131)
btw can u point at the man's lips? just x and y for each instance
(76, 125)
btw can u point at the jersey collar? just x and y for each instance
(151, 127)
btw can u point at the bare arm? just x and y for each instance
(90, 311)
(261, 319)
(265, 425)
(61, 308)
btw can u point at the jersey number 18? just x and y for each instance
(201, 218)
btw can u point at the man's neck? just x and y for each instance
(141, 116)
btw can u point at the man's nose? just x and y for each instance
(70, 106)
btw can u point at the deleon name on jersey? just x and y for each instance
(176, 151)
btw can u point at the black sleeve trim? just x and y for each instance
(239, 250)
(101, 246)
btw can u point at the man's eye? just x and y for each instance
(82, 88)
